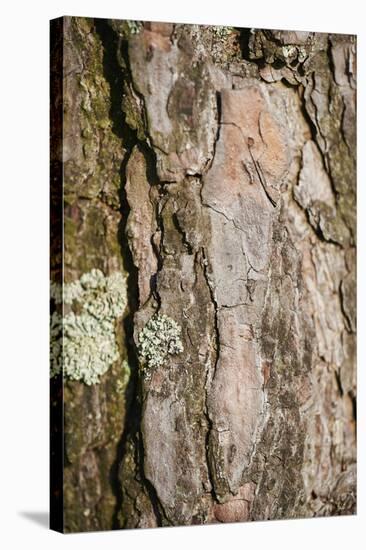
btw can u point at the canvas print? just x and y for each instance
(203, 266)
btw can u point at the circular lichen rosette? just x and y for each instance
(159, 338)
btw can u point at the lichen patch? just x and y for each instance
(84, 345)
(159, 338)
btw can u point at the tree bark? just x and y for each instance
(217, 167)
(92, 153)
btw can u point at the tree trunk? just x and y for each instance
(215, 166)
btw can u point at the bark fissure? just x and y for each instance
(212, 376)
(117, 73)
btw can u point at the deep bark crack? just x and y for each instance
(115, 75)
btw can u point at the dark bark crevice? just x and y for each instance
(117, 75)
(209, 457)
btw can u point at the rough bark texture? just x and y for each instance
(92, 154)
(225, 159)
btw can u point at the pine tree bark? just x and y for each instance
(217, 166)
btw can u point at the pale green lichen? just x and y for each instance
(84, 346)
(67, 293)
(289, 51)
(222, 32)
(134, 27)
(159, 338)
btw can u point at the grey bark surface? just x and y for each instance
(218, 168)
